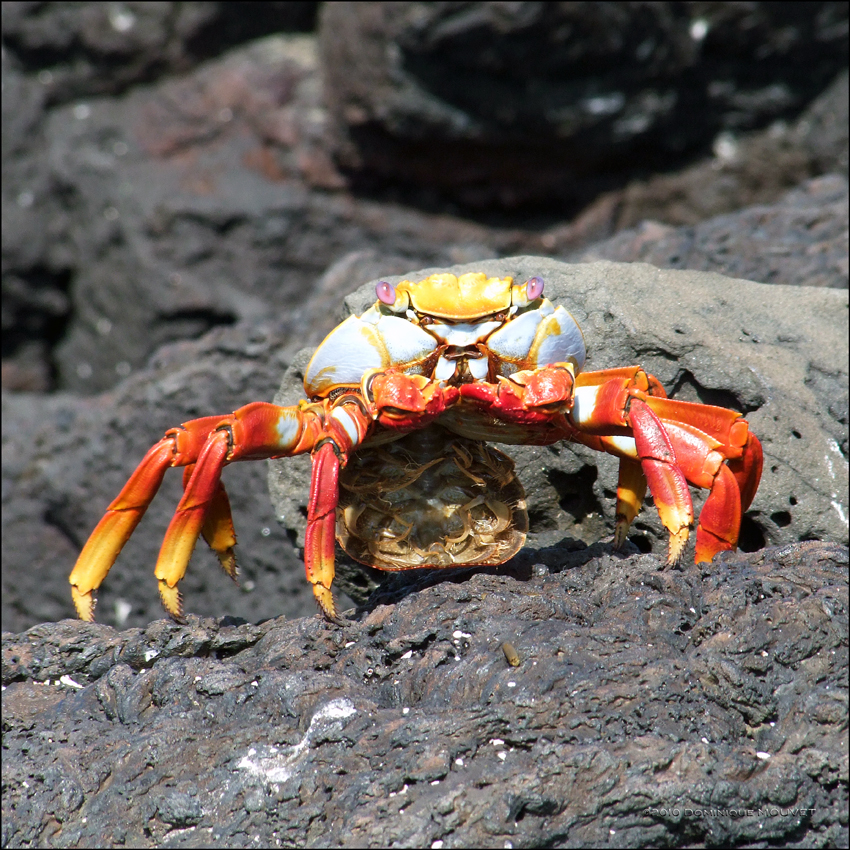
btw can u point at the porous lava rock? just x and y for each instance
(650, 708)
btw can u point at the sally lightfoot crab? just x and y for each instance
(403, 403)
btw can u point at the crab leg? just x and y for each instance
(321, 527)
(631, 490)
(218, 527)
(256, 431)
(704, 437)
(667, 481)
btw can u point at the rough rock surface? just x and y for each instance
(199, 193)
(802, 240)
(745, 169)
(777, 354)
(98, 48)
(650, 708)
(554, 103)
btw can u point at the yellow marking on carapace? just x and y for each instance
(469, 296)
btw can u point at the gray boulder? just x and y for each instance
(777, 354)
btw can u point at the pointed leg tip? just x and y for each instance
(227, 559)
(621, 532)
(327, 606)
(172, 601)
(84, 603)
(678, 541)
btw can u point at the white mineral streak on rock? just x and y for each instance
(273, 764)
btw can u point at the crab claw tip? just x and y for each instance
(621, 531)
(227, 559)
(326, 603)
(84, 603)
(678, 541)
(172, 601)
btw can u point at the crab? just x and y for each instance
(404, 402)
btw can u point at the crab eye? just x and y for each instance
(534, 288)
(385, 292)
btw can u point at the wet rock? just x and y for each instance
(649, 703)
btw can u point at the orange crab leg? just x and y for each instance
(321, 527)
(720, 517)
(631, 490)
(716, 452)
(218, 528)
(747, 469)
(713, 450)
(667, 481)
(256, 431)
(118, 523)
(663, 442)
(190, 517)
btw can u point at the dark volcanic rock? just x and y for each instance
(800, 240)
(651, 708)
(80, 49)
(745, 169)
(554, 102)
(196, 202)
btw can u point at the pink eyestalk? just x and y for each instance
(534, 288)
(386, 293)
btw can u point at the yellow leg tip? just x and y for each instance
(326, 603)
(621, 531)
(84, 603)
(172, 600)
(227, 559)
(678, 541)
